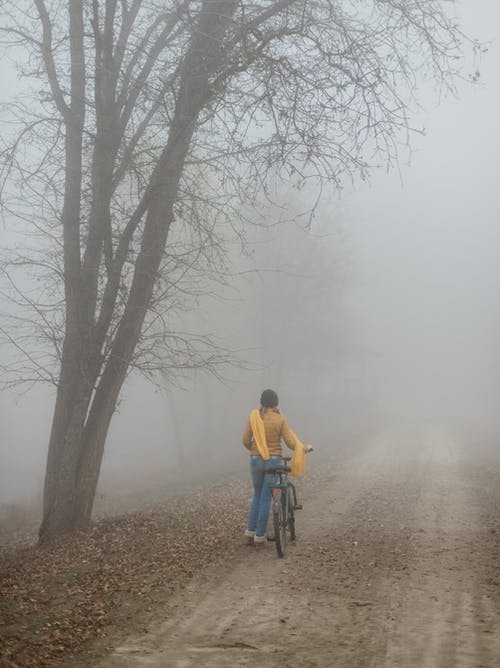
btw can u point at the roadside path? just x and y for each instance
(396, 566)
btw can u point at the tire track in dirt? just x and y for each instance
(390, 570)
(446, 616)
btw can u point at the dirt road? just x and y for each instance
(396, 565)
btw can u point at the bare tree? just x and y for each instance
(155, 123)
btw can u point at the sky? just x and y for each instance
(422, 246)
(427, 252)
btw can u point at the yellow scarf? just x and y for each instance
(259, 435)
(298, 463)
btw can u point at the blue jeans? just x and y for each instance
(262, 491)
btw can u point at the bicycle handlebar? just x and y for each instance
(289, 459)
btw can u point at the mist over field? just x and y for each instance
(384, 312)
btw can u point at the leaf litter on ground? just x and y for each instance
(64, 599)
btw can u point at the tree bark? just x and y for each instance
(82, 416)
(69, 409)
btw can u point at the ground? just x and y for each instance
(395, 566)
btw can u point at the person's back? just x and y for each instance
(276, 428)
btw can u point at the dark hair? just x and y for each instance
(269, 399)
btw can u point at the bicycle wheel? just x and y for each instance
(291, 515)
(279, 520)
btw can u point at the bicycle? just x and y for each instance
(284, 505)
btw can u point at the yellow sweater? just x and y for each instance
(276, 428)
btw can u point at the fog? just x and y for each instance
(385, 312)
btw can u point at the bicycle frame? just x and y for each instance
(279, 492)
(284, 505)
(281, 485)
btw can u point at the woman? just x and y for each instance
(262, 437)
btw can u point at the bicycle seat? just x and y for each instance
(279, 469)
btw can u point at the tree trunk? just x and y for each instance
(69, 410)
(81, 420)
